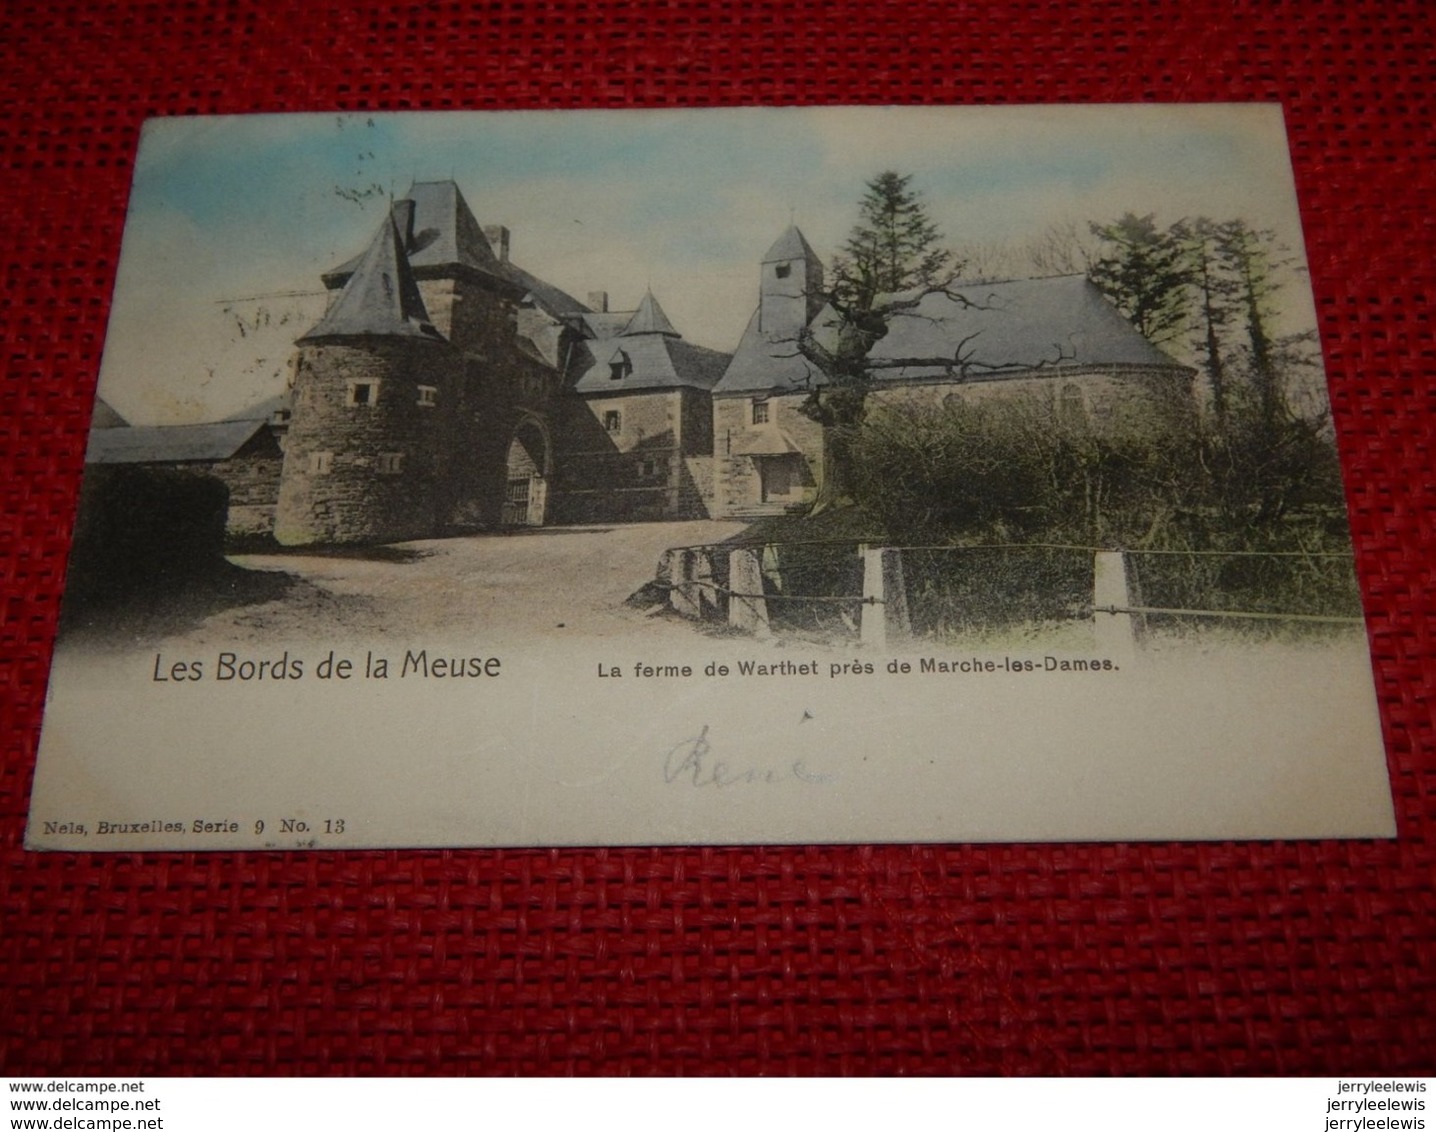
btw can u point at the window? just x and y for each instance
(783, 270)
(362, 393)
(760, 412)
(651, 467)
(619, 366)
(391, 463)
(612, 421)
(428, 396)
(321, 463)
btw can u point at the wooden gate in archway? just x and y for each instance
(525, 501)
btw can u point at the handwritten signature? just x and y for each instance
(691, 763)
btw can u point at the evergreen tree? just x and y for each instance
(892, 258)
(1145, 273)
(1252, 259)
(1215, 294)
(894, 247)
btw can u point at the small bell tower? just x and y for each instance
(791, 287)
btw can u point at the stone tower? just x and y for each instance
(791, 287)
(374, 385)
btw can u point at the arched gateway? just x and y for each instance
(528, 467)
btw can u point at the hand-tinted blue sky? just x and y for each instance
(683, 201)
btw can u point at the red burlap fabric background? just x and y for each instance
(1226, 958)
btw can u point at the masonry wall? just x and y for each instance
(1133, 401)
(638, 471)
(466, 313)
(372, 472)
(737, 485)
(501, 389)
(253, 483)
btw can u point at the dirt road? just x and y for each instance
(554, 582)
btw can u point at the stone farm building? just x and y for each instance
(446, 389)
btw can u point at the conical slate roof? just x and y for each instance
(790, 245)
(649, 319)
(381, 298)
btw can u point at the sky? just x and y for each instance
(233, 219)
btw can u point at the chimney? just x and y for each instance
(498, 238)
(598, 301)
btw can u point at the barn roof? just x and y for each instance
(170, 444)
(263, 410)
(992, 329)
(973, 332)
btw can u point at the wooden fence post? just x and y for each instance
(884, 611)
(1116, 633)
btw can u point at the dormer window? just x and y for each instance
(619, 366)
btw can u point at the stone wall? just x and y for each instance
(695, 499)
(737, 484)
(375, 471)
(253, 483)
(633, 472)
(1127, 401)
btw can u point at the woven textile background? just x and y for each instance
(1224, 958)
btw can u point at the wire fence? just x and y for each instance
(947, 592)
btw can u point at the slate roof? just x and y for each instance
(170, 444)
(438, 230)
(555, 301)
(1014, 328)
(263, 410)
(649, 319)
(606, 324)
(790, 245)
(381, 297)
(1062, 322)
(763, 364)
(654, 361)
(442, 237)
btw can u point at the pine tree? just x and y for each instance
(894, 247)
(1145, 274)
(893, 251)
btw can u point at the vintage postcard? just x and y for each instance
(790, 475)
